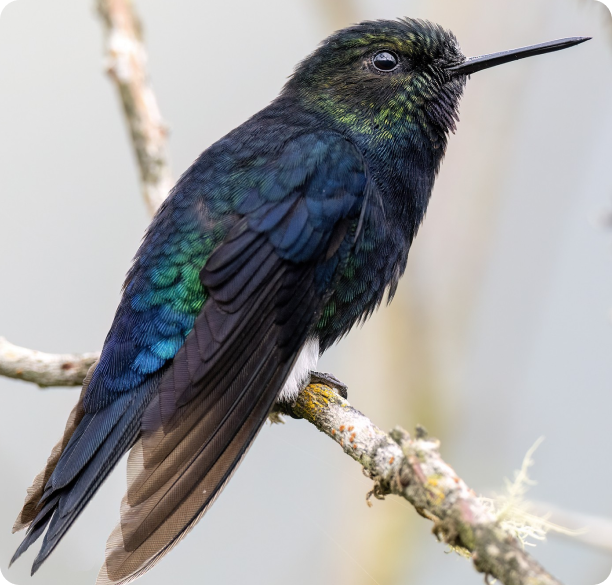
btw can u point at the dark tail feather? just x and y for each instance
(36, 528)
(72, 483)
(31, 506)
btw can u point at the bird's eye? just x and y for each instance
(385, 61)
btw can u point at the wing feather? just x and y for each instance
(187, 452)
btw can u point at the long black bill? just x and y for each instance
(474, 64)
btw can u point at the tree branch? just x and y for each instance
(44, 369)
(413, 469)
(127, 67)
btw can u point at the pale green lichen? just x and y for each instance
(511, 509)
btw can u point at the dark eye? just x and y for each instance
(385, 61)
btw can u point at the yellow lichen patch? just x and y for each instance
(314, 398)
(433, 490)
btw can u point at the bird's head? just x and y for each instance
(382, 78)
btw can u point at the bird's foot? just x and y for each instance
(282, 408)
(331, 381)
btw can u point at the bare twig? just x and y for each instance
(44, 369)
(413, 469)
(127, 67)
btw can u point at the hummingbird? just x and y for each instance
(277, 240)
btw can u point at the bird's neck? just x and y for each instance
(404, 167)
(402, 141)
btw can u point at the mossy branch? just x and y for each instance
(412, 468)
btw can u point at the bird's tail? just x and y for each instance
(91, 446)
(31, 506)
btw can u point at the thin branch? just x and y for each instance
(127, 67)
(413, 469)
(44, 369)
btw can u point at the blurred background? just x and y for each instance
(500, 332)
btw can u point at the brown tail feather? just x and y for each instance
(123, 566)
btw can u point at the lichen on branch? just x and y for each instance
(412, 468)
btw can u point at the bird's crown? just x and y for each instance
(421, 41)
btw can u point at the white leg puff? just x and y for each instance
(300, 374)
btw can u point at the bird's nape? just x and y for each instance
(475, 64)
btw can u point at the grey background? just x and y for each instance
(500, 332)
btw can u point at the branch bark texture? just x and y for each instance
(44, 369)
(412, 468)
(127, 67)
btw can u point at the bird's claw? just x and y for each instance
(331, 381)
